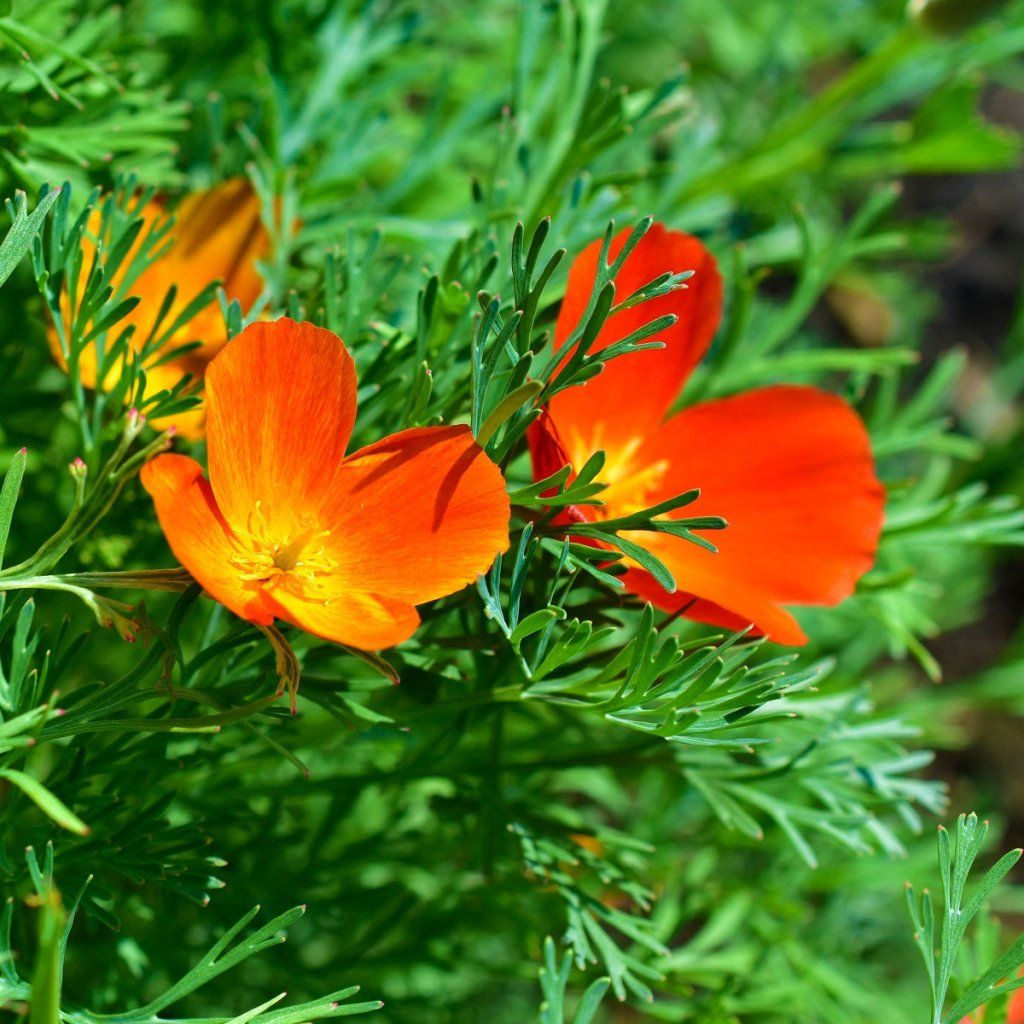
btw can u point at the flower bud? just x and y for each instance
(948, 17)
(134, 421)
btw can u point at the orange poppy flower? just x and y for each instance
(789, 468)
(289, 527)
(217, 235)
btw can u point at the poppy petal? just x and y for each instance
(218, 234)
(634, 392)
(367, 621)
(280, 403)
(198, 535)
(417, 515)
(791, 470)
(770, 617)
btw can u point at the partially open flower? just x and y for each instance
(790, 468)
(217, 235)
(289, 527)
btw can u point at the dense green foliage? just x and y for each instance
(719, 827)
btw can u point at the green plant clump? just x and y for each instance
(557, 800)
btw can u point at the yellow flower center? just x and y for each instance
(295, 557)
(629, 486)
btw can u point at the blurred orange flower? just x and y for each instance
(790, 468)
(289, 527)
(217, 235)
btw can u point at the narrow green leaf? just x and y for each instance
(244, 1018)
(535, 622)
(992, 878)
(375, 661)
(9, 496)
(19, 238)
(45, 801)
(591, 1001)
(652, 564)
(530, 493)
(507, 407)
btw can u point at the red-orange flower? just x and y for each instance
(289, 527)
(790, 468)
(217, 235)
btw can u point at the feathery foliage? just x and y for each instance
(565, 780)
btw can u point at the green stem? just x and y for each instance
(177, 579)
(46, 583)
(87, 512)
(580, 70)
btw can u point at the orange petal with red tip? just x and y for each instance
(198, 534)
(417, 515)
(367, 621)
(281, 402)
(791, 470)
(635, 391)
